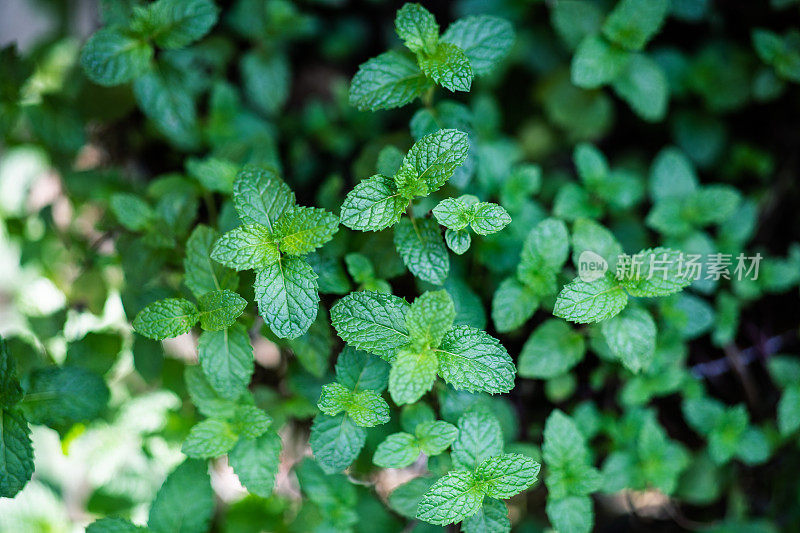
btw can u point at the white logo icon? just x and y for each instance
(591, 266)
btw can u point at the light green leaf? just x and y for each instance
(448, 66)
(301, 230)
(396, 451)
(204, 397)
(247, 247)
(387, 81)
(162, 95)
(451, 499)
(591, 236)
(789, 410)
(631, 336)
(435, 436)
(166, 318)
(420, 245)
(114, 525)
(255, 461)
(643, 84)
(484, 39)
(250, 421)
(185, 502)
(546, 245)
(435, 157)
(209, 438)
(412, 375)
(287, 296)
(358, 370)
(110, 57)
(220, 309)
(202, 274)
(366, 408)
(214, 173)
(505, 476)
(261, 196)
(573, 514)
(267, 79)
(586, 302)
(372, 321)
(336, 441)
(672, 175)
(488, 218)
(479, 437)
(472, 360)
(16, 453)
(597, 62)
(512, 305)
(176, 23)
(430, 317)
(131, 211)
(226, 358)
(453, 213)
(661, 272)
(551, 350)
(458, 240)
(492, 518)
(591, 163)
(417, 27)
(633, 23)
(373, 204)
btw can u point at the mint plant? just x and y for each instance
(314, 266)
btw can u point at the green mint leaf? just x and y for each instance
(359, 370)
(488, 218)
(368, 409)
(359, 267)
(185, 502)
(204, 397)
(412, 375)
(505, 476)
(372, 321)
(435, 157)
(261, 196)
(16, 453)
(203, 275)
(422, 249)
(334, 399)
(176, 23)
(209, 438)
(789, 411)
(220, 309)
(660, 273)
(430, 317)
(597, 62)
(267, 79)
(633, 23)
(553, 349)
(248, 247)
(226, 358)
(387, 81)
(62, 396)
(435, 436)
(336, 441)
(453, 213)
(631, 336)
(448, 66)
(458, 240)
(644, 85)
(479, 437)
(567, 458)
(114, 525)
(586, 302)
(249, 421)
(572, 513)
(711, 204)
(484, 39)
(131, 211)
(413, 415)
(591, 163)
(417, 27)
(166, 318)
(396, 451)
(10, 390)
(162, 96)
(512, 305)
(213, 173)
(255, 461)
(672, 175)
(451, 499)
(588, 235)
(543, 254)
(472, 360)
(110, 57)
(492, 518)
(287, 296)
(301, 230)
(373, 204)
(405, 498)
